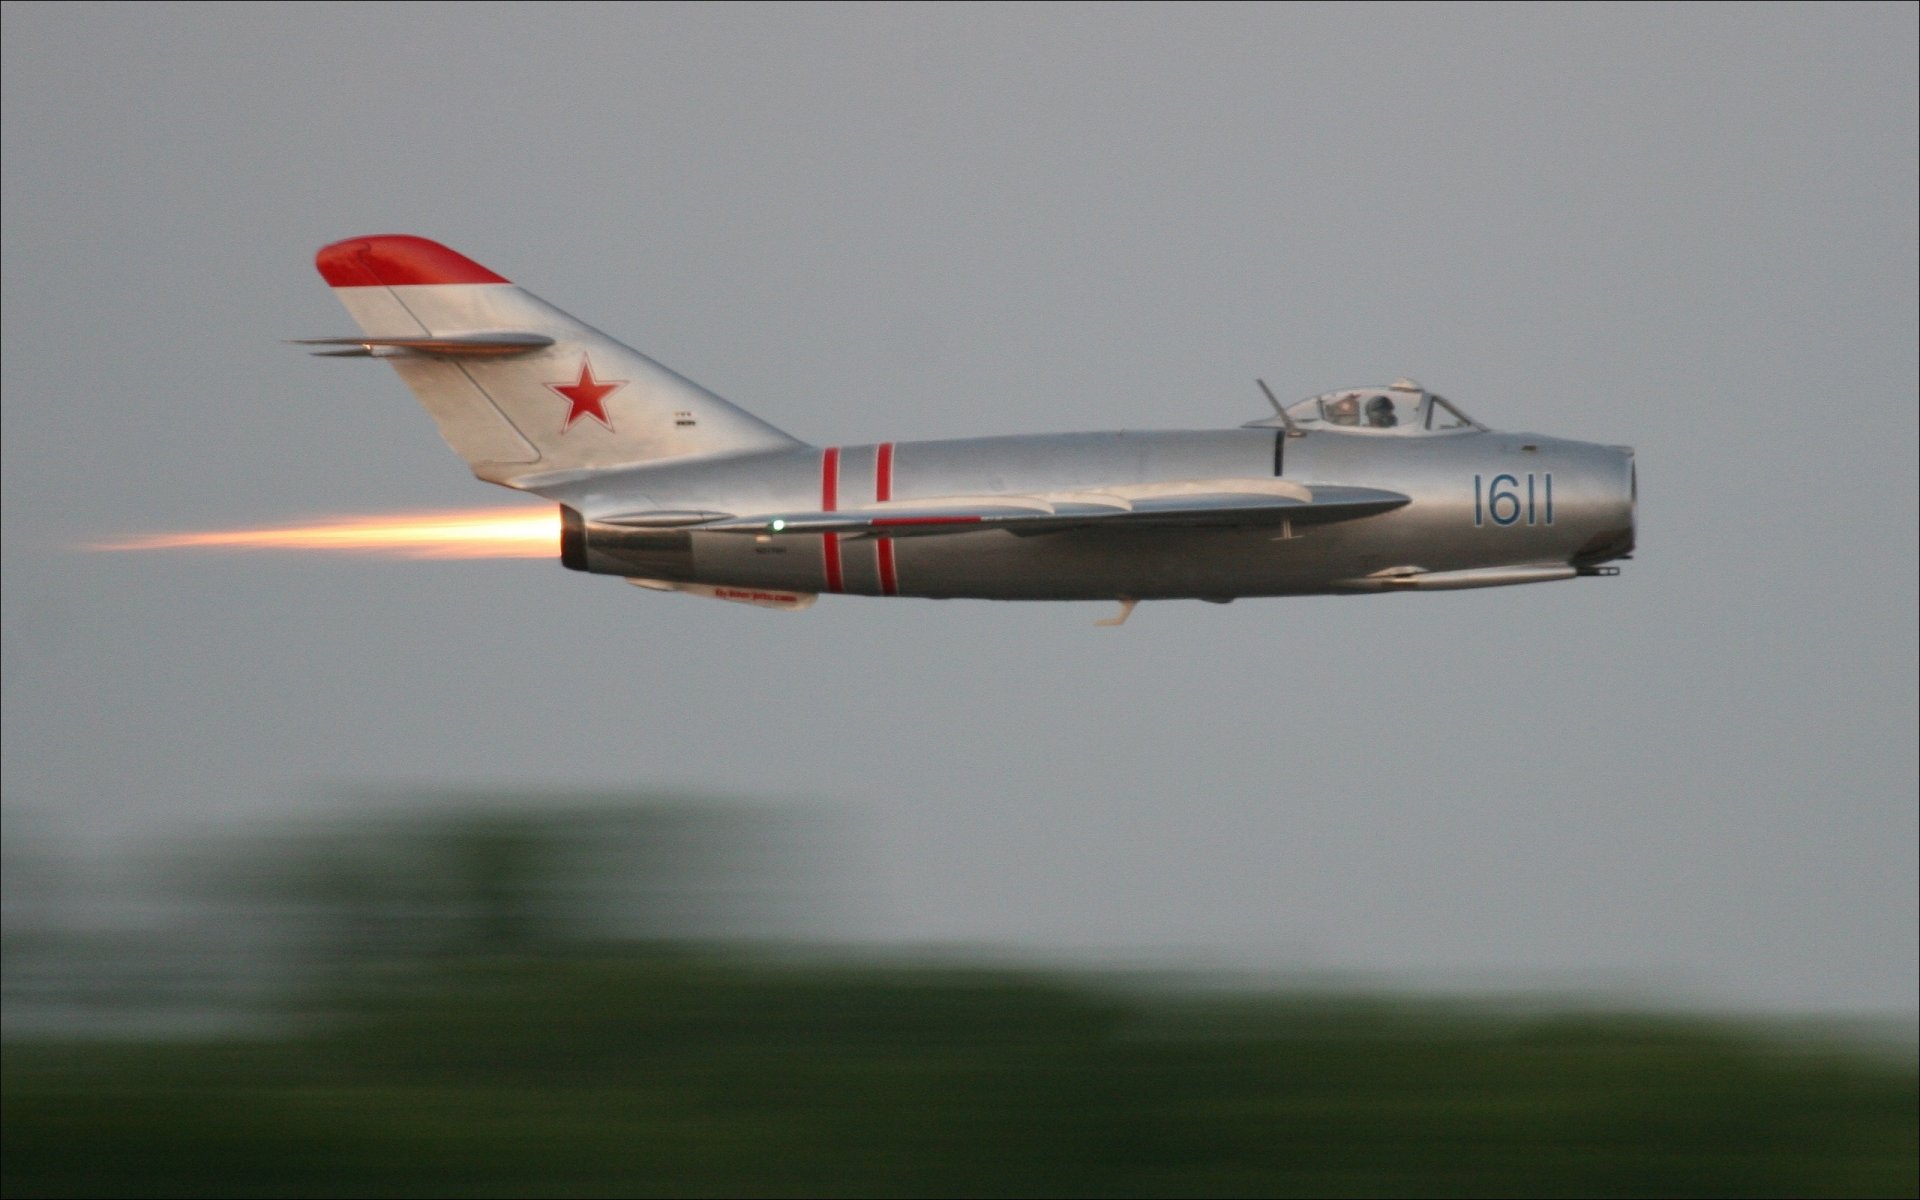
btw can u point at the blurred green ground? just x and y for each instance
(523, 996)
(678, 1072)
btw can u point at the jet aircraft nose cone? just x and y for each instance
(1633, 497)
(1613, 513)
(1626, 505)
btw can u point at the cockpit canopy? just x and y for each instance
(1403, 410)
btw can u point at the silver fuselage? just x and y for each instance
(1480, 502)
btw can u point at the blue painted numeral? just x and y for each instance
(1498, 500)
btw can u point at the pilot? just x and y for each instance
(1380, 413)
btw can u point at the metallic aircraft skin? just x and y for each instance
(661, 482)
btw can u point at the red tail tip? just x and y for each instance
(394, 260)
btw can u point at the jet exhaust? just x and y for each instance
(448, 534)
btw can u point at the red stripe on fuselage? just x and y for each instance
(883, 491)
(829, 502)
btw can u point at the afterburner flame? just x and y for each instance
(465, 533)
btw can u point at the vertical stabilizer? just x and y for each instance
(519, 389)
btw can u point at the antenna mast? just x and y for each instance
(1293, 431)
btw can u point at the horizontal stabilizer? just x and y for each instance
(660, 518)
(457, 345)
(1216, 503)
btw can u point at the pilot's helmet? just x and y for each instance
(1380, 413)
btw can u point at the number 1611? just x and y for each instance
(1513, 499)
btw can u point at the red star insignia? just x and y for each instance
(585, 396)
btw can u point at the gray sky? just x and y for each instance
(1687, 229)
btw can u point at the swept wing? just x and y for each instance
(1223, 503)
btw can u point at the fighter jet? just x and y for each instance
(665, 484)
